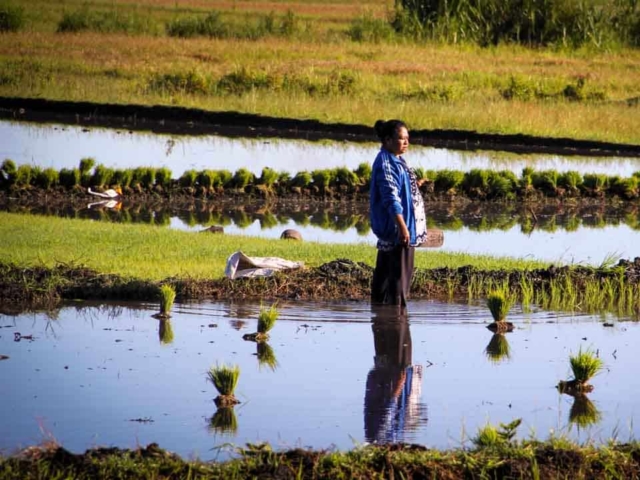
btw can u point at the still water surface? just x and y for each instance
(108, 375)
(62, 146)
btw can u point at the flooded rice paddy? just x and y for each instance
(334, 375)
(62, 146)
(557, 234)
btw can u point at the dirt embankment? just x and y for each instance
(23, 288)
(189, 121)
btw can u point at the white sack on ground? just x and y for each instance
(240, 265)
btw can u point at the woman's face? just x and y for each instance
(399, 143)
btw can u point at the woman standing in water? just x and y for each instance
(397, 215)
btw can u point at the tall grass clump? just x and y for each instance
(167, 296)
(108, 21)
(585, 365)
(532, 23)
(12, 18)
(499, 303)
(492, 437)
(242, 178)
(189, 27)
(190, 82)
(367, 28)
(47, 178)
(225, 379)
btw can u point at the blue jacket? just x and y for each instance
(390, 194)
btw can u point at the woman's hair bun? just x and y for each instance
(379, 127)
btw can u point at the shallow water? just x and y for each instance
(101, 375)
(62, 146)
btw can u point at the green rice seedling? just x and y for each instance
(448, 180)
(266, 356)
(302, 179)
(47, 178)
(23, 176)
(268, 177)
(583, 412)
(165, 331)
(86, 165)
(188, 178)
(167, 296)
(343, 177)
(502, 184)
(69, 177)
(322, 178)
(499, 304)
(267, 318)
(242, 178)
(223, 179)
(476, 182)
(11, 17)
(364, 172)
(498, 348)
(163, 177)
(595, 183)
(585, 365)
(224, 378)
(123, 177)
(526, 293)
(207, 178)
(102, 176)
(546, 181)
(570, 180)
(224, 421)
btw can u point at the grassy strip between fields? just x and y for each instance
(554, 459)
(152, 253)
(45, 260)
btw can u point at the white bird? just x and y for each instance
(111, 193)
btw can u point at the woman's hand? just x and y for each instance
(403, 231)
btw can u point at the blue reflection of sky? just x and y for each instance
(89, 372)
(61, 146)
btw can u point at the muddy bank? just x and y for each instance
(185, 121)
(575, 287)
(528, 460)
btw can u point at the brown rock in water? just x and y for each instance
(435, 238)
(290, 234)
(213, 229)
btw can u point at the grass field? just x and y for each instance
(157, 253)
(300, 60)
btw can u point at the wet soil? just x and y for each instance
(186, 121)
(24, 288)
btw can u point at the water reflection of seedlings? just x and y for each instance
(498, 348)
(165, 331)
(266, 320)
(585, 365)
(225, 379)
(266, 356)
(224, 421)
(499, 304)
(583, 412)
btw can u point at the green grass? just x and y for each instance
(267, 318)
(167, 296)
(499, 304)
(153, 253)
(122, 54)
(224, 378)
(585, 365)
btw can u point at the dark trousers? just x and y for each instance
(392, 277)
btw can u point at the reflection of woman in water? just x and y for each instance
(393, 385)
